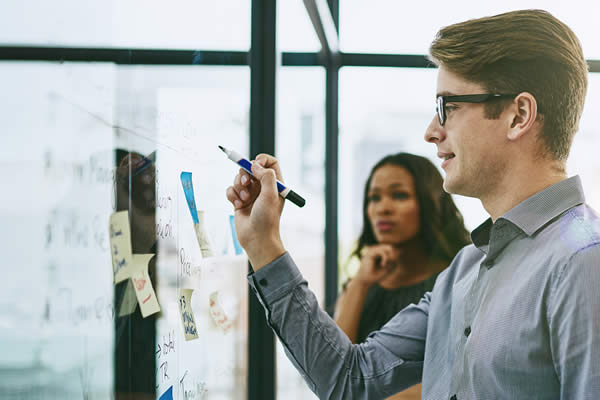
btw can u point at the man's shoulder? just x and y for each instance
(577, 229)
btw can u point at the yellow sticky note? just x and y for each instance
(143, 286)
(218, 314)
(129, 301)
(202, 236)
(187, 315)
(120, 245)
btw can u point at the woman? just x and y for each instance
(411, 231)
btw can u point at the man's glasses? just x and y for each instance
(440, 109)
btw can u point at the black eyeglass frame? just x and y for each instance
(440, 108)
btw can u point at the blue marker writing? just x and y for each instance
(284, 192)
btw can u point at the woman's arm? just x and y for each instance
(349, 307)
(375, 264)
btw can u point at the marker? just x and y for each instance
(284, 192)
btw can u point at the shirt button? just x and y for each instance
(263, 282)
(467, 331)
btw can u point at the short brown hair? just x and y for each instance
(522, 51)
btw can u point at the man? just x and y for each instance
(517, 314)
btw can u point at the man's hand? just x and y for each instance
(258, 208)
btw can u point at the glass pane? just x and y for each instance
(300, 148)
(383, 111)
(56, 163)
(295, 32)
(187, 24)
(387, 26)
(86, 141)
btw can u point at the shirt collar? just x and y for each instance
(536, 211)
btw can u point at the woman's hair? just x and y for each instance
(442, 227)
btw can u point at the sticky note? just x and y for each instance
(202, 236)
(129, 300)
(188, 190)
(187, 315)
(120, 245)
(236, 244)
(217, 313)
(168, 395)
(143, 286)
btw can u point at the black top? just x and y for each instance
(382, 304)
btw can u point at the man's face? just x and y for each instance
(472, 146)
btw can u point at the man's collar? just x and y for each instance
(539, 209)
(536, 211)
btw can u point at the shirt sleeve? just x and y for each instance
(574, 320)
(390, 360)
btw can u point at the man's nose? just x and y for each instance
(435, 132)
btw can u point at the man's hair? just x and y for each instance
(522, 51)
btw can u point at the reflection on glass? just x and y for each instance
(135, 182)
(300, 148)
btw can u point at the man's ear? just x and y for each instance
(522, 116)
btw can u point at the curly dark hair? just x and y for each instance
(442, 226)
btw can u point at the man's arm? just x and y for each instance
(574, 319)
(389, 360)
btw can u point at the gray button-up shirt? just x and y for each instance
(515, 316)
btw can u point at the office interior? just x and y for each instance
(106, 104)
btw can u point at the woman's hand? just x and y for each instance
(376, 263)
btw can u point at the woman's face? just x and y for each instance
(393, 209)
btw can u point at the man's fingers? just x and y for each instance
(267, 179)
(269, 162)
(245, 177)
(233, 197)
(245, 188)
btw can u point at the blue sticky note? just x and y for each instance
(168, 395)
(188, 189)
(236, 243)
